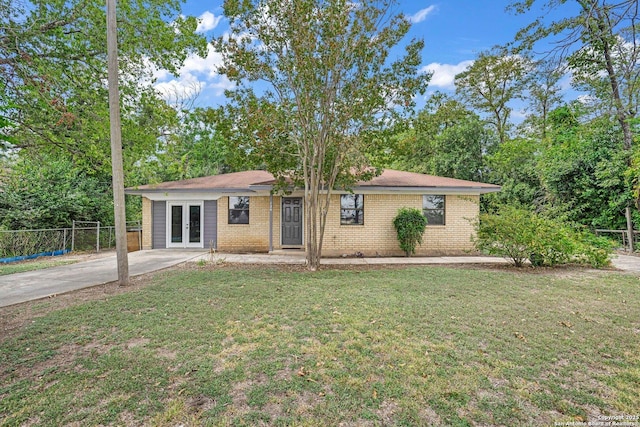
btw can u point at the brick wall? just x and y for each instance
(146, 223)
(378, 237)
(252, 237)
(454, 238)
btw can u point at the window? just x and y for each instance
(239, 210)
(352, 209)
(433, 209)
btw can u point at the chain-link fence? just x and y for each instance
(82, 236)
(15, 243)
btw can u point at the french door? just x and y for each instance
(185, 225)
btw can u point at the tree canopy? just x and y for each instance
(53, 68)
(326, 80)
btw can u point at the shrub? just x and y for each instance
(593, 250)
(504, 235)
(410, 224)
(521, 235)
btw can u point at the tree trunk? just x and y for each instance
(311, 215)
(313, 258)
(622, 113)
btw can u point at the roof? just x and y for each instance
(250, 180)
(227, 181)
(394, 178)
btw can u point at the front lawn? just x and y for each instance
(231, 345)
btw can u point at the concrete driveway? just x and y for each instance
(31, 285)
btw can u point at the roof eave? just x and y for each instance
(141, 192)
(429, 189)
(362, 188)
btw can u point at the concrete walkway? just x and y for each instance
(626, 263)
(32, 285)
(620, 262)
(299, 258)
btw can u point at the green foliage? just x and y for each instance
(514, 166)
(582, 170)
(410, 224)
(591, 249)
(194, 147)
(494, 80)
(51, 193)
(505, 235)
(329, 83)
(200, 149)
(598, 43)
(544, 95)
(521, 235)
(444, 139)
(54, 68)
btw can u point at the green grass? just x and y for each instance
(262, 346)
(37, 264)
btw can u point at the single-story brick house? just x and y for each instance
(237, 212)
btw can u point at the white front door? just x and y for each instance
(184, 224)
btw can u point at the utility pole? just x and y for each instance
(116, 145)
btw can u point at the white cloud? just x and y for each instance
(421, 15)
(221, 85)
(187, 86)
(518, 114)
(207, 65)
(444, 74)
(565, 83)
(160, 74)
(207, 22)
(586, 99)
(195, 76)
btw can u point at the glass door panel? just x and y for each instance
(194, 224)
(176, 224)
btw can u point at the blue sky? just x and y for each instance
(454, 32)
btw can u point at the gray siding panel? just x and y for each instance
(210, 223)
(159, 225)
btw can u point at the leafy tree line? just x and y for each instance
(573, 161)
(55, 164)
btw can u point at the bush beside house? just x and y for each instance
(521, 235)
(410, 224)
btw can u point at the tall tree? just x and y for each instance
(599, 42)
(53, 68)
(543, 95)
(514, 166)
(198, 148)
(446, 139)
(494, 80)
(327, 80)
(582, 169)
